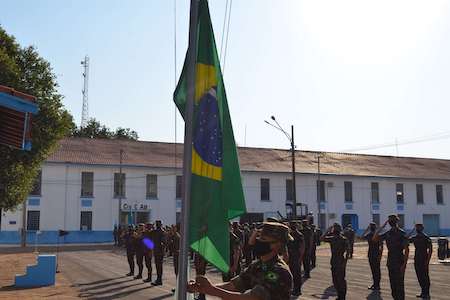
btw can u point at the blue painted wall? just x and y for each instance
(51, 237)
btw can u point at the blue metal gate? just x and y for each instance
(431, 224)
(350, 219)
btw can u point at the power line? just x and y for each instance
(223, 32)
(433, 137)
(227, 38)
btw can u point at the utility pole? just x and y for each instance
(318, 189)
(291, 140)
(294, 189)
(120, 187)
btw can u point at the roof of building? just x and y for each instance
(159, 154)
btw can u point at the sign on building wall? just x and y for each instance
(135, 207)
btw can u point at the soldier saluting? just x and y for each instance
(422, 256)
(374, 254)
(398, 252)
(339, 255)
(268, 278)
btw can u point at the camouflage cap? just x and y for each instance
(337, 227)
(393, 217)
(277, 231)
(272, 219)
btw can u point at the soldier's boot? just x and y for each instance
(158, 281)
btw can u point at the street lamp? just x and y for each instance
(291, 140)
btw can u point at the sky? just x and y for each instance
(347, 74)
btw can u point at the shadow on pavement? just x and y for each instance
(102, 286)
(99, 281)
(327, 293)
(374, 295)
(163, 297)
(14, 288)
(92, 292)
(117, 295)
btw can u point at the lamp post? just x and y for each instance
(291, 140)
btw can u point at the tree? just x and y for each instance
(24, 70)
(94, 129)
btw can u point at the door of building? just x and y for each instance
(141, 217)
(323, 221)
(350, 219)
(431, 224)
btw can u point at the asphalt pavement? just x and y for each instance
(101, 275)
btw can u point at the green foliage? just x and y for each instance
(24, 70)
(94, 129)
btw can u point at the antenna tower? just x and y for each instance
(85, 110)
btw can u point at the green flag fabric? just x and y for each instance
(216, 187)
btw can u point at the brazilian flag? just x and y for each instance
(216, 187)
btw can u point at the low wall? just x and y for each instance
(51, 237)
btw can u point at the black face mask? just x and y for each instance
(262, 248)
(419, 230)
(372, 228)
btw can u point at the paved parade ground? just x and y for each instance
(100, 274)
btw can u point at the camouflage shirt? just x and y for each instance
(269, 280)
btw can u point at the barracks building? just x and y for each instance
(89, 185)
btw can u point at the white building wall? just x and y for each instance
(60, 202)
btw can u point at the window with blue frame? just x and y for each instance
(399, 193)
(289, 190)
(375, 192)
(439, 194)
(320, 189)
(179, 187)
(36, 190)
(87, 184)
(33, 220)
(265, 189)
(86, 221)
(419, 193)
(119, 185)
(152, 186)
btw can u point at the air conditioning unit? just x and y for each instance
(330, 184)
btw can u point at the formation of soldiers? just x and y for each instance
(146, 242)
(271, 260)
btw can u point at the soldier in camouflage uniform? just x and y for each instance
(158, 237)
(398, 251)
(339, 255)
(268, 278)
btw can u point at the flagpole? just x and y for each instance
(183, 264)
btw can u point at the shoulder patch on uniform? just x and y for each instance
(271, 276)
